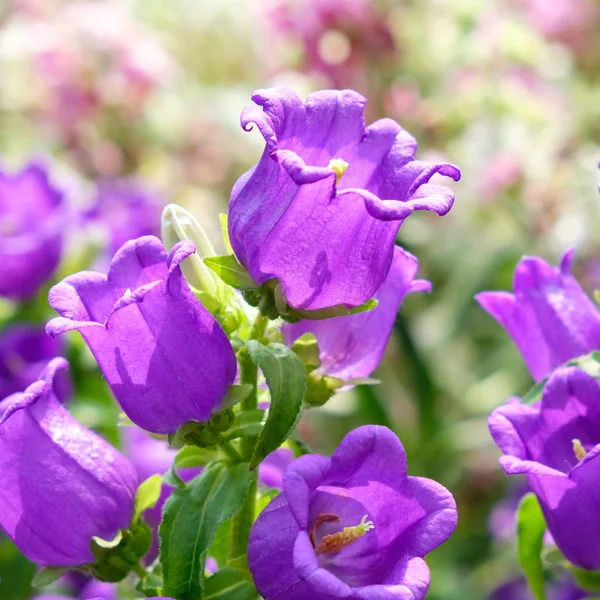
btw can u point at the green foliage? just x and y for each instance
(230, 271)
(531, 527)
(190, 521)
(115, 559)
(228, 584)
(147, 496)
(286, 379)
(47, 576)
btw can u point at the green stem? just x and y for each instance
(140, 571)
(230, 451)
(243, 522)
(249, 375)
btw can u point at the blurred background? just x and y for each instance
(135, 103)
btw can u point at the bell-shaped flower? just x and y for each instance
(31, 231)
(556, 444)
(61, 483)
(24, 351)
(549, 317)
(352, 526)
(122, 210)
(321, 209)
(164, 356)
(351, 347)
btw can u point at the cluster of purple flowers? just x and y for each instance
(555, 440)
(312, 226)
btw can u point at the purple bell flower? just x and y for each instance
(352, 347)
(24, 351)
(321, 209)
(556, 443)
(164, 356)
(31, 231)
(352, 526)
(126, 209)
(61, 483)
(549, 317)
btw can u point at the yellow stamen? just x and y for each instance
(336, 541)
(339, 165)
(579, 450)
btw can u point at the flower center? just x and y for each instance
(339, 165)
(337, 541)
(578, 449)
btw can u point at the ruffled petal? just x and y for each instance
(327, 242)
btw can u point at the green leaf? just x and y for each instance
(228, 584)
(240, 564)
(230, 271)
(235, 394)
(224, 220)
(246, 424)
(192, 456)
(172, 479)
(286, 379)
(147, 495)
(531, 527)
(220, 549)
(190, 520)
(47, 576)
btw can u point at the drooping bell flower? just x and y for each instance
(352, 346)
(556, 444)
(549, 317)
(61, 483)
(24, 351)
(321, 209)
(164, 356)
(351, 526)
(31, 231)
(272, 468)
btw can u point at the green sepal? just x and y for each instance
(228, 584)
(293, 315)
(235, 394)
(224, 221)
(247, 423)
(307, 349)
(286, 380)
(115, 560)
(587, 580)
(191, 518)
(331, 312)
(230, 271)
(531, 527)
(48, 575)
(147, 496)
(192, 456)
(203, 435)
